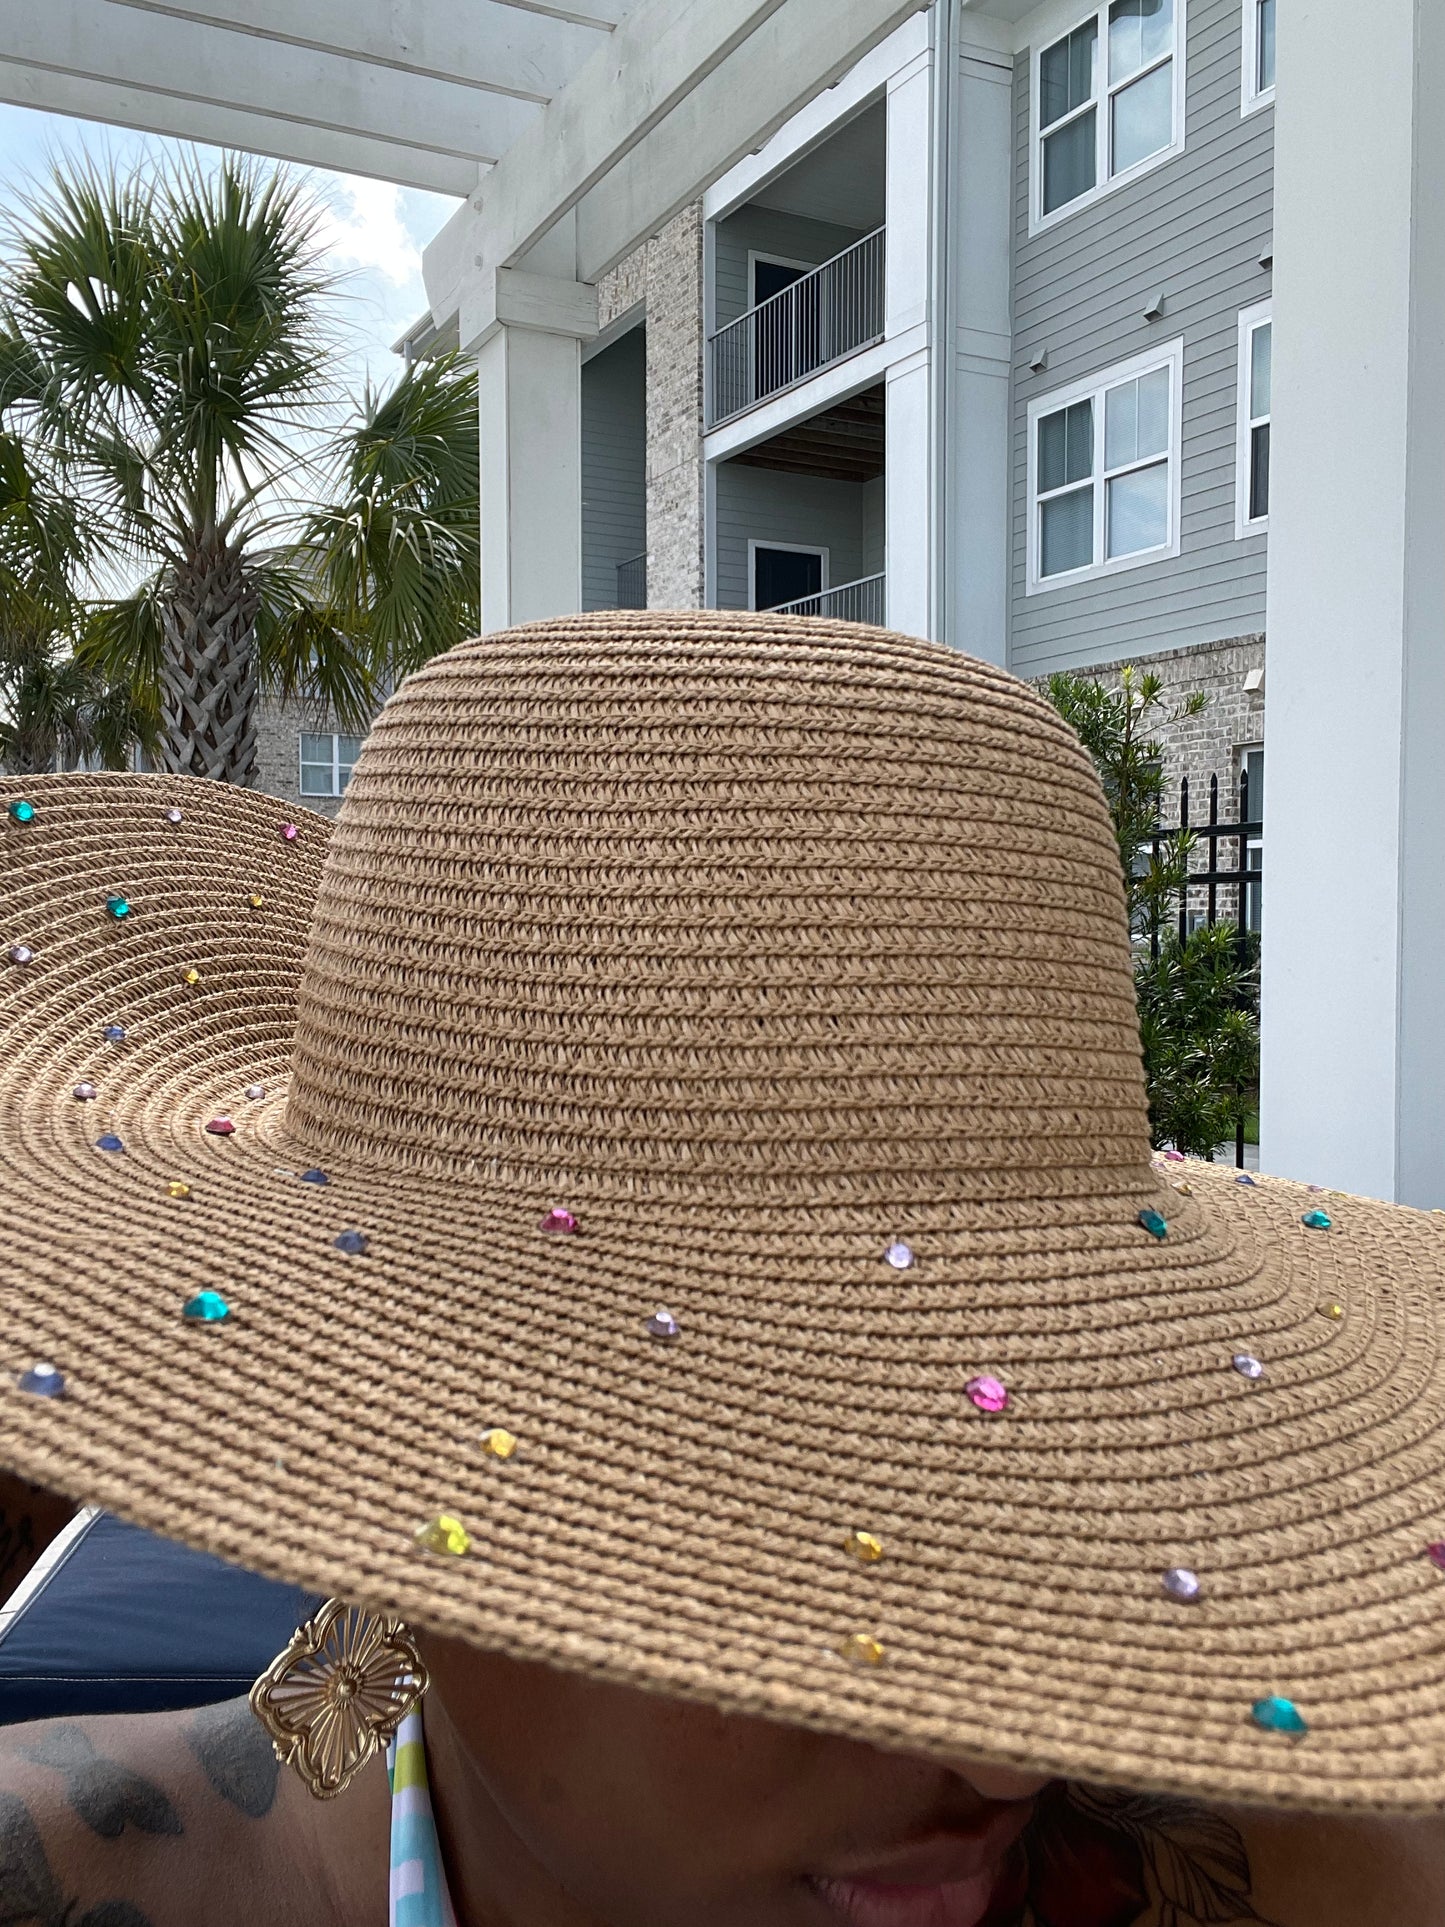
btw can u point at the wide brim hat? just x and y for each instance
(689, 1132)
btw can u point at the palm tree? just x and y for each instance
(164, 349)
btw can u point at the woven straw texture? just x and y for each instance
(757, 944)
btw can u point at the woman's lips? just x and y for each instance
(945, 1879)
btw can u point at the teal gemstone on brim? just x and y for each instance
(1154, 1224)
(118, 907)
(1276, 1715)
(206, 1308)
(22, 810)
(1316, 1221)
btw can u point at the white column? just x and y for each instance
(910, 504)
(1354, 894)
(979, 213)
(527, 331)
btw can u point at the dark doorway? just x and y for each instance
(784, 575)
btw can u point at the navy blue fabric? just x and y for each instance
(129, 1623)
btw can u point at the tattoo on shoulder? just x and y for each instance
(236, 1752)
(107, 1795)
(1126, 1860)
(30, 1895)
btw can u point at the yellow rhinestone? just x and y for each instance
(865, 1547)
(178, 1188)
(444, 1534)
(501, 1444)
(1185, 1190)
(1332, 1308)
(255, 899)
(862, 1650)
(192, 976)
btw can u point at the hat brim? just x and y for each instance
(676, 1514)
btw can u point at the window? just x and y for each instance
(1251, 767)
(1108, 100)
(1251, 488)
(1258, 53)
(781, 572)
(1104, 471)
(327, 763)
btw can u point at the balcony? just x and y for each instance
(862, 601)
(632, 583)
(821, 318)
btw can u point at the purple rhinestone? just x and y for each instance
(899, 1255)
(173, 815)
(1182, 1584)
(1244, 1178)
(662, 1324)
(1248, 1366)
(20, 953)
(85, 1092)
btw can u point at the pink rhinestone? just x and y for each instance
(289, 831)
(220, 1127)
(558, 1220)
(1437, 1554)
(1175, 1157)
(988, 1393)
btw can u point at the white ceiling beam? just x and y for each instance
(154, 113)
(793, 56)
(486, 44)
(193, 62)
(587, 13)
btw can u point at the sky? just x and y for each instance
(374, 234)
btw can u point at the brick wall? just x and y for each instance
(278, 734)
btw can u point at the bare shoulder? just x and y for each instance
(1142, 1860)
(124, 1822)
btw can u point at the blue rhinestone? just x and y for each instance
(314, 1176)
(1244, 1178)
(44, 1381)
(1154, 1224)
(354, 1242)
(22, 810)
(118, 906)
(114, 1033)
(1316, 1221)
(110, 1142)
(206, 1308)
(1278, 1715)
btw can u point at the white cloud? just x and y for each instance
(363, 228)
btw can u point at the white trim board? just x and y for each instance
(756, 542)
(1249, 320)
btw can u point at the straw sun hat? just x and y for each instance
(787, 962)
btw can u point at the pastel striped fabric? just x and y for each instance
(419, 1896)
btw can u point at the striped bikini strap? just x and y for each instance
(419, 1896)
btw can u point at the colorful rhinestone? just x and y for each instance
(314, 1176)
(899, 1255)
(206, 1308)
(1316, 1221)
(22, 810)
(1278, 1715)
(444, 1534)
(221, 1127)
(178, 1188)
(43, 1380)
(1182, 1585)
(1154, 1223)
(354, 1243)
(499, 1442)
(289, 832)
(558, 1220)
(861, 1649)
(118, 906)
(1248, 1366)
(988, 1393)
(85, 1092)
(109, 1142)
(173, 815)
(865, 1547)
(20, 953)
(114, 1033)
(663, 1325)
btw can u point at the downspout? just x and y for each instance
(943, 359)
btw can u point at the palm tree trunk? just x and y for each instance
(208, 668)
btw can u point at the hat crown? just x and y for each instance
(766, 908)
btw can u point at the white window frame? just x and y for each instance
(1249, 320)
(1170, 356)
(1104, 182)
(792, 548)
(1252, 844)
(1253, 96)
(303, 761)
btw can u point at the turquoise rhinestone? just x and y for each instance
(206, 1308)
(1155, 1225)
(1316, 1221)
(1276, 1715)
(110, 1142)
(22, 810)
(118, 906)
(43, 1381)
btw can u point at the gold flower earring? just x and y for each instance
(338, 1693)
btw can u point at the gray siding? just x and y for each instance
(769, 505)
(1193, 228)
(764, 230)
(873, 526)
(614, 465)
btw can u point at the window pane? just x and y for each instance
(1121, 425)
(1259, 472)
(1066, 447)
(1139, 510)
(1154, 413)
(1066, 538)
(316, 780)
(1070, 161)
(1066, 73)
(348, 748)
(1143, 117)
(1264, 69)
(1140, 31)
(1260, 357)
(316, 749)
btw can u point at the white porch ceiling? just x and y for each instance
(428, 93)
